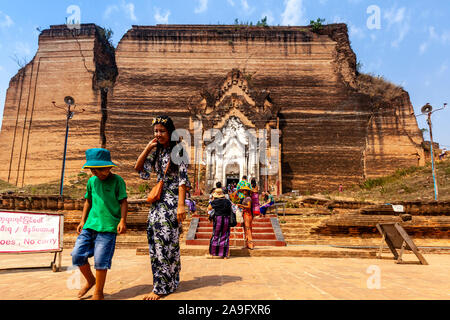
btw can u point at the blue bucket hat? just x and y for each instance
(98, 158)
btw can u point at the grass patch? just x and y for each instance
(370, 184)
(5, 186)
(378, 87)
(75, 188)
(406, 184)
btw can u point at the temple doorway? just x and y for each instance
(232, 180)
(232, 171)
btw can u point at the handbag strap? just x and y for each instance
(167, 168)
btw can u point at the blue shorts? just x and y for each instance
(99, 245)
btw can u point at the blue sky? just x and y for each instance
(406, 42)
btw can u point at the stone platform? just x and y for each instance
(317, 224)
(235, 279)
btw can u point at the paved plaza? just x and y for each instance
(238, 278)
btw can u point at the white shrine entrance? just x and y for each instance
(235, 123)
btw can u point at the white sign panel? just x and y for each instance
(29, 232)
(398, 208)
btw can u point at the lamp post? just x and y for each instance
(428, 110)
(69, 115)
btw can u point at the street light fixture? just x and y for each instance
(70, 102)
(428, 110)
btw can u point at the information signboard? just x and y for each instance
(31, 232)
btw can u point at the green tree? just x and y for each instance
(262, 22)
(317, 25)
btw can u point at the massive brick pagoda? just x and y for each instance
(334, 129)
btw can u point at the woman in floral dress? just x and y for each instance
(167, 214)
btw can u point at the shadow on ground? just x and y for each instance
(196, 283)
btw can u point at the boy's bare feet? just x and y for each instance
(153, 296)
(85, 289)
(98, 296)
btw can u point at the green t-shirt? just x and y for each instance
(105, 195)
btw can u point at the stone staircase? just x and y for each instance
(265, 232)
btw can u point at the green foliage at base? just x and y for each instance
(382, 181)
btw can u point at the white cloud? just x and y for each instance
(109, 10)
(338, 19)
(423, 47)
(1, 68)
(403, 32)
(231, 2)
(293, 13)
(22, 49)
(434, 37)
(161, 18)
(202, 6)
(246, 7)
(443, 68)
(245, 4)
(443, 38)
(129, 10)
(395, 16)
(5, 20)
(399, 20)
(356, 32)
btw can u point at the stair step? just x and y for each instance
(256, 236)
(204, 235)
(239, 243)
(265, 219)
(240, 229)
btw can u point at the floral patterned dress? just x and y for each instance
(162, 224)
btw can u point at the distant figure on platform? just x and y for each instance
(255, 198)
(268, 202)
(246, 207)
(218, 186)
(190, 203)
(341, 188)
(240, 185)
(220, 239)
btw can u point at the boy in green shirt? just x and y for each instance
(104, 215)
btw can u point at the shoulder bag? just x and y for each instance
(233, 218)
(155, 193)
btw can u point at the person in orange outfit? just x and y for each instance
(248, 216)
